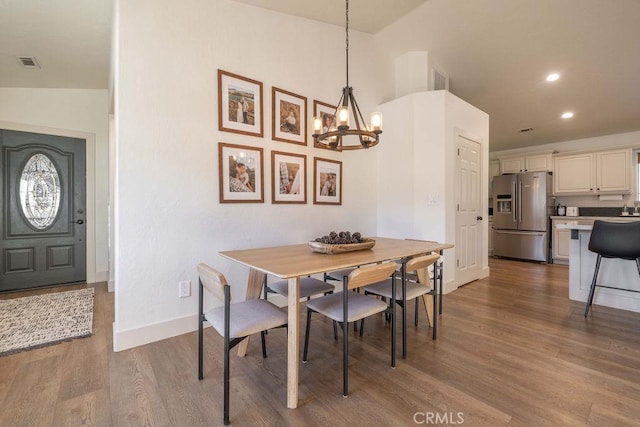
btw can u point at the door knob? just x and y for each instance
(80, 222)
(479, 218)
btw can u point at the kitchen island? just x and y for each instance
(613, 272)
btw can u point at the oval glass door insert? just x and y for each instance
(40, 191)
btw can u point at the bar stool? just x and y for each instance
(613, 240)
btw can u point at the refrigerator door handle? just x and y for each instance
(519, 201)
(513, 203)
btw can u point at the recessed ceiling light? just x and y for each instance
(567, 115)
(553, 77)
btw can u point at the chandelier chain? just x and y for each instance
(347, 39)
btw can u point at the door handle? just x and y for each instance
(79, 222)
(479, 218)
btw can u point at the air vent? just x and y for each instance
(439, 80)
(525, 130)
(28, 62)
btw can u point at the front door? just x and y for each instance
(468, 216)
(43, 210)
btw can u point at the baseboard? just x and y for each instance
(123, 340)
(102, 276)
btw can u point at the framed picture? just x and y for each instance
(327, 114)
(288, 183)
(289, 117)
(240, 171)
(239, 104)
(327, 182)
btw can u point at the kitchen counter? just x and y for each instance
(621, 218)
(613, 272)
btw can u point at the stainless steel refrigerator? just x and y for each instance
(522, 204)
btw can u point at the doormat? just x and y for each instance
(42, 320)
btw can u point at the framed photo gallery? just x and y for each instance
(241, 167)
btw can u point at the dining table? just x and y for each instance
(292, 262)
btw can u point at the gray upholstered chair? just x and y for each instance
(417, 268)
(234, 322)
(348, 307)
(309, 287)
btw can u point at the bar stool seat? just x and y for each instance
(613, 240)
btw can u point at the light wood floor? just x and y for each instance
(512, 350)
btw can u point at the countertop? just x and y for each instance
(604, 218)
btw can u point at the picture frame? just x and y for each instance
(288, 183)
(289, 117)
(327, 114)
(240, 173)
(327, 181)
(239, 104)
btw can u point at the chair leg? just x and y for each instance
(200, 376)
(226, 381)
(435, 310)
(593, 286)
(335, 331)
(306, 336)
(263, 341)
(345, 360)
(361, 327)
(416, 319)
(200, 320)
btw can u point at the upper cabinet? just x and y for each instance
(593, 173)
(613, 171)
(531, 163)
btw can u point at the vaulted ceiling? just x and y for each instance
(497, 54)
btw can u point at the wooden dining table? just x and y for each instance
(293, 262)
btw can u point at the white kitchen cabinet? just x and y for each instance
(561, 239)
(573, 174)
(593, 173)
(532, 163)
(613, 171)
(490, 236)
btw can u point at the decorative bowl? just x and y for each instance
(331, 249)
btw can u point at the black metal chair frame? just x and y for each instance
(345, 335)
(229, 344)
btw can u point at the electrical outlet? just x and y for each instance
(184, 289)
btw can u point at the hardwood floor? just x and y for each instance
(511, 350)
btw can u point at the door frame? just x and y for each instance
(90, 157)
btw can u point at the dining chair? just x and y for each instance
(309, 287)
(348, 307)
(234, 322)
(417, 267)
(613, 240)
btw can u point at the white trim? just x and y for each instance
(90, 139)
(123, 340)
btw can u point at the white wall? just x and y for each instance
(418, 164)
(72, 112)
(167, 214)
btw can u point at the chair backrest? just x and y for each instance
(420, 264)
(616, 240)
(366, 275)
(212, 280)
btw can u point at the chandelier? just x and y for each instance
(331, 135)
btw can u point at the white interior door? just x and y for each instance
(468, 216)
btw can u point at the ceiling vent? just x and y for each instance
(28, 62)
(525, 130)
